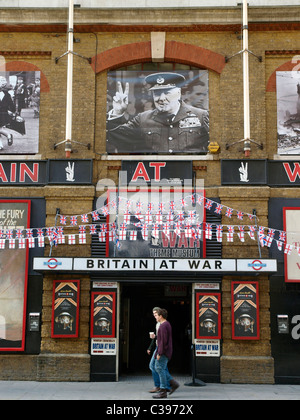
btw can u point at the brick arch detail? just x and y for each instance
(288, 66)
(140, 52)
(24, 66)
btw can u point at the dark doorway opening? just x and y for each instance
(136, 321)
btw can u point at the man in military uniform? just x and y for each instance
(172, 127)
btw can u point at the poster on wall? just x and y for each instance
(20, 112)
(157, 112)
(208, 315)
(103, 314)
(14, 215)
(245, 310)
(65, 308)
(153, 223)
(288, 112)
(291, 217)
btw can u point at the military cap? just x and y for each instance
(164, 80)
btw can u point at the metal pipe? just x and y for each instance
(68, 147)
(246, 75)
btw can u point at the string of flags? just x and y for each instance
(143, 220)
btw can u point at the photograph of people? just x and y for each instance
(19, 112)
(158, 112)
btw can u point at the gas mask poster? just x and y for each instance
(245, 314)
(65, 308)
(157, 112)
(14, 219)
(208, 315)
(103, 315)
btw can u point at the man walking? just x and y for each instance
(163, 354)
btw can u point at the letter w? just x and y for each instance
(292, 175)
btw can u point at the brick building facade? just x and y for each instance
(32, 40)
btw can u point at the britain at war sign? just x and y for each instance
(245, 310)
(65, 308)
(103, 314)
(208, 315)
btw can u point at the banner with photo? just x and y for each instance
(208, 315)
(14, 214)
(288, 112)
(19, 112)
(161, 112)
(292, 227)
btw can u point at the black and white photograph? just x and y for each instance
(19, 112)
(157, 112)
(288, 112)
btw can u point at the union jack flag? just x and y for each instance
(200, 199)
(229, 236)
(172, 205)
(40, 232)
(193, 199)
(268, 241)
(127, 217)
(218, 209)
(282, 236)
(208, 231)
(251, 232)
(208, 204)
(103, 227)
(139, 205)
(161, 207)
(241, 233)
(145, 232)
(123, 227)
(12, 243)
(31, 242)
(122, 235)
(113, 226)
(279, 245)
(82, 238)
(150, 207)
(183, 202)
(19, 233)
(9, 234)
(240, 215)
(148, 218)
(271, 233)
(93, 229)
(111, 235)
(95, 215)
(170, 217)
(73, 220)
(228, 212)
(180, 215)
(29, 233)
(192, 215)
(22, 243)
(2, 243)
(105, 211)
(158, 218)
(2, 234)
(60, 230)
(166, 229)
(81, 229)
(41, 241)
(84, 218)
(63, 220)
(102, 236)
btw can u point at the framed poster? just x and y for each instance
(65, 308)
(157, 112)
(157, 223)
(20, 112)
(14, 214)
(103, 314)
(208, 315)
(245, 310)
(291, 226)
(288, 112)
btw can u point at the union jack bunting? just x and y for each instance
(282, 236)
(40, 232)
(9, 234)
(2, 243)
(208, 204)
(63, 220)
(218, 209)
(60, 239)
(271, 233)
(279, 245)
(123, 227)
(2, 234)
(19, 233)
(183, 202)
(251, 232)
(200, 199)
(229, 236)
(122, 235)
(148, 218)
(103, 227)
(84, 218)
(241, 233)
(268, 241)
(111, 235)
(240, 215)
(95, 215)
(170, 217)
(229, 212)
(105, 210)
(172, 205)
(180, 215)
(199, 230)
(81, 229)
(73, 220)
(93, 229)
(161, 207)
(113, 226)
(192, 215)
(127, 217)
(188, 231)
(145, 232)
(139, 205)
(158, 218)
(166, 229)
(155, 231)
(193, 199)
(208, 231)
(150, 207)
(41, 241)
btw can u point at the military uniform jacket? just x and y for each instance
(155, 132)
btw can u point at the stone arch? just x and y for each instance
(140, 52)
(24, 66)
(288, 66)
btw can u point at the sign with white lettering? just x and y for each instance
(52, 263)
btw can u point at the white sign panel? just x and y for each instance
(103, 346)
(292, 228)
(53, 264)
(195, 265)
(207, 348)
(257, 265)
(112, 264)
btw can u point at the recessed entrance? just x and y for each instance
(136, 320)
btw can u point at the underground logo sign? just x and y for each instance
(257, 265)
(52, 263)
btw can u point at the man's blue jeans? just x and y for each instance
(155, 375)
(161, 367)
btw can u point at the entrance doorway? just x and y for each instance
(136, 321)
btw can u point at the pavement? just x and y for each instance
(135, 388)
